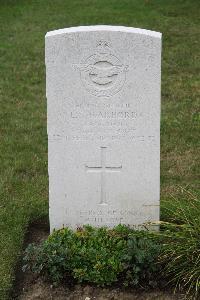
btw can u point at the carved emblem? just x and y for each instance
(103, 74)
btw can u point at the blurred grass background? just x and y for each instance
(23, 138)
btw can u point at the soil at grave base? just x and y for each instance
(30, 287)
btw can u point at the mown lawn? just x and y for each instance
(23, 139)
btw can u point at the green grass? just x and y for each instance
(180, 239)
(23, 139)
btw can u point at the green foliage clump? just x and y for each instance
(96, 255)
(180, 256)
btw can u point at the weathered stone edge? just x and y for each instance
(104, 28)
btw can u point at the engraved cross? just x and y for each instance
(103, 169)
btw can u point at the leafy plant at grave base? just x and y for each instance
(96, 255)
(142, 255)
(180, 256)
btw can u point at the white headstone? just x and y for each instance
(103, 94)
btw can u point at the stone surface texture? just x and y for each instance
(103, 103)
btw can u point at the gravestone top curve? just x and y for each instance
(104, 28)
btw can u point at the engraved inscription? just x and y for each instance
(120, 137)
(103, 74)
(103, 169)
(83, 121)
(110, 216)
